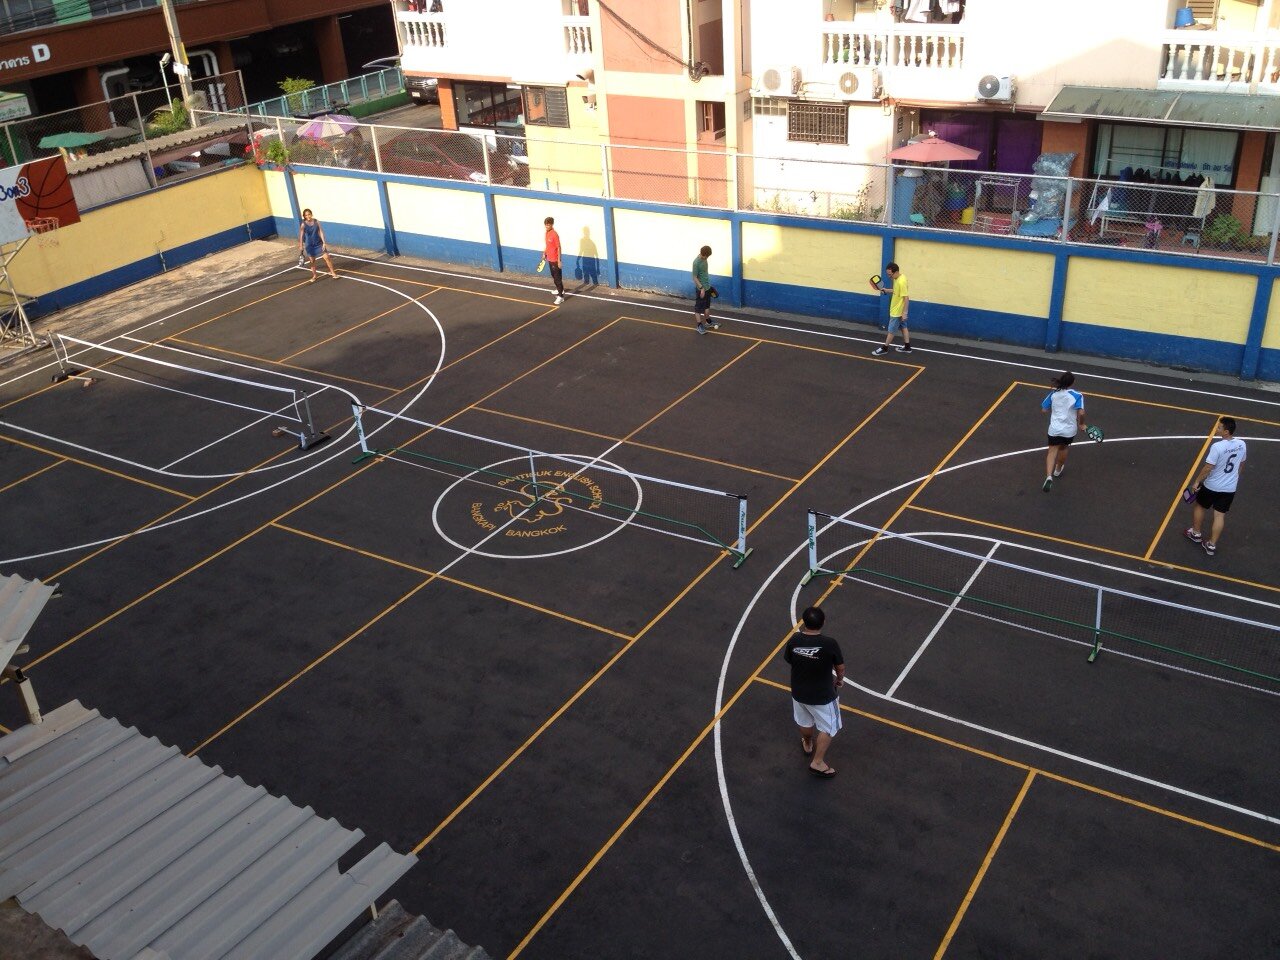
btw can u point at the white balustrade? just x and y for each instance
(930, 47)
(577, 35)
(422, 29)
(1221, 60)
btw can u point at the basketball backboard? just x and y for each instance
(35, 192)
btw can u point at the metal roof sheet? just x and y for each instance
(1233, 111)
(20, 603)
(134, 850)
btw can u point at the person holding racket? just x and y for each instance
(551, 258)
(1215, 484)
(703, 292)
(899, 306)
(312, 244)
(1065, 408)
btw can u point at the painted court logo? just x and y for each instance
(532, 505)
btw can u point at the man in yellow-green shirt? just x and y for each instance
(899, 307)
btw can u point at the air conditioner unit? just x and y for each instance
(773, 82)
(860, 83)
(992, 87)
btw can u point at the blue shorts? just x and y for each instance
(896, 324)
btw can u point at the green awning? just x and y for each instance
(1224, 111)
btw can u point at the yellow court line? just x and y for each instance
(1177, 499)
(267, 361)
(516, 601)
(94, 466)
(234, 310)
(636, 443)
(986, 864)
(355, 327)
(671, 771)
(308, 668)
(1047, 774)
(1156, 403)
(779, 343)
(1097, 549)
(444, 286)
(485, 346)
(31, 476)
(4, 729)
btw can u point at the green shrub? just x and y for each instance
(292, 88)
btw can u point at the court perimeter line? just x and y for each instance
(986, 863)
(438, 286)
(946, 615)
(827, 334)
(267, 361)
(636, 443)
(357, 326)
(1097, 549)
(1177, 497)
(721, 710)
(453, 580)
(1162, 406)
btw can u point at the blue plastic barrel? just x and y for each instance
(1183, 17)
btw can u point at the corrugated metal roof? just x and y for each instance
(20, 603)
(1232, 111)
(166, 144)
(136, 851)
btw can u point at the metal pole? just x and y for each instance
(604, 171)
(1097, 630)
(1275, 228)
(181, 65)
(1066, 212)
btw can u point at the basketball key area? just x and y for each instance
(478, 575)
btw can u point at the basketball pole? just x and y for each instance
(181, 65)
(17, 326)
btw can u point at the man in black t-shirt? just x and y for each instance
(817, 673)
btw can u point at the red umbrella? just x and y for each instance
(933, 150)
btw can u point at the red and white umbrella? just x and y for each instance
(330, 125)
(933, 150)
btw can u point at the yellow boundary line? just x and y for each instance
(444, 286)
(355, 327)
(1157, 403)
(1177, 498)
(1096, 549)
(986, 863)
(31, 476)
(93, 466)
(268, 362)
(634, 443)
(516, 601)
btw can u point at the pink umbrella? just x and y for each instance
(330, 125)
(933, 150)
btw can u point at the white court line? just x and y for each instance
(213, 443)
(951, 608)
(1100, 361)
(227, 361)
(768, 581)
(115, 374)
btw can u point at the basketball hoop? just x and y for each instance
(45, 230)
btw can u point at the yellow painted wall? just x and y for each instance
(438, 212)
(277, 194)
(672, 241)
(119, 234)
(339, 199)
(836, 261)
(1180, 301)
(1271, 335)
(977, 278)
(559, 159)
(520, 224)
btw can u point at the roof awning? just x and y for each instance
(1223, 111)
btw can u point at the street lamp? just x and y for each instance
(164, 62)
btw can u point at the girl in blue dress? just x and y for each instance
(311, 242)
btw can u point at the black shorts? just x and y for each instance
(1214, 499)
(1061, 441)
(702, 302)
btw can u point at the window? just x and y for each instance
(546, 106)
(1166, 150)
(710, 120)
(818, 123)
(485, 104)
(769, 107)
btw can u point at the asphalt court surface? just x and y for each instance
(522, 687)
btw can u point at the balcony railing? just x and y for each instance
(1221, 60)
(895, 45)
(577, 35)
(425, 30)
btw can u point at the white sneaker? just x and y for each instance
(1057, 471)
(879, 351)
(701, 330)
(559, 300)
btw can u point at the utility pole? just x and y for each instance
(181, 66)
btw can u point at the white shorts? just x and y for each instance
(824, 716)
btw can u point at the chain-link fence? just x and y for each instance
(332, 97)
(136, 119)
(813, 188)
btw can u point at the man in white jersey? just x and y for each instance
(1215, 484)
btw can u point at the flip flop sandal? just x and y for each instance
(826, 774)
(806, 750)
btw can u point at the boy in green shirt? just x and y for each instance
(702, 298)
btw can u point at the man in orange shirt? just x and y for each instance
(551, 255)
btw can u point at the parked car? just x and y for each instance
(452, 156)
(422, 89)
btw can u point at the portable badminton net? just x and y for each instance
(89, 363)
(606, 491)
(1134, 624)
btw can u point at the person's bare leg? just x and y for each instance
(1062, 457)
(1197, 518)
(313, 268)
(1219, 521)
(332, 272)
(806, 738)
(821, 742)
(1050, 459)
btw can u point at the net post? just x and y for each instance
(533, 478)
(813, 548)
(308, 436)
(357, 415)
(1097, 630)
(741, 547)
